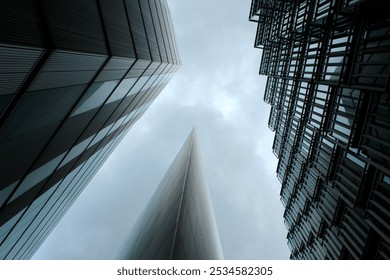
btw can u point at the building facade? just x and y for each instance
(178, 222)
(74, 77)
(328, 65)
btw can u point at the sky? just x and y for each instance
(218, 91)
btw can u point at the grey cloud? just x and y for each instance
(217, 90)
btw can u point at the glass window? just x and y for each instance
(4, 193)
(122, 89)
(38, 109)
(36, 176)
(386, 179)
(6, 227)
(76, 151)
(95, 96)
(102, 133)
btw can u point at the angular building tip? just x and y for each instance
(193, 133)
(178, 222)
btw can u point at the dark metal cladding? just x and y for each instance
(178, 222)
(74, 77)
(328, 66)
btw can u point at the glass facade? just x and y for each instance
(74, 77)
(178, 222)
(328, 67)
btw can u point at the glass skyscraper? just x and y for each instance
(178, 222)
(74, 77)
(328, 67)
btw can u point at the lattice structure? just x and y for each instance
(328, 67)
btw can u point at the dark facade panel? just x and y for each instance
(117, 28)
(20, 23)
(64, 69)
(170, 34)
(16, 64)
(137, 25)
(165, 30)
(158, 30)
(150, 30)
(76, 25)
(327, 64)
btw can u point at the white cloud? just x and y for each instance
(228, 106)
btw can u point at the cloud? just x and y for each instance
(219, 91)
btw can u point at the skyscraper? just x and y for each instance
(74, 77)
(178, 222)
(328, 66)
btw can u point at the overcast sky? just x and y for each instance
(218, 91)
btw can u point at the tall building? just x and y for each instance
(178, 222)
(74, 77)
(328, 65)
